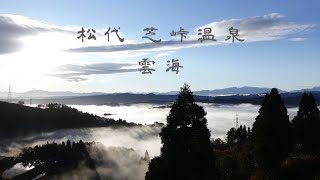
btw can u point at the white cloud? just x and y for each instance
(260, 28)
(32, 49)
(297, 39)
(163, 54)
(20, 31)
(39, 47)
(76, 73)
(254, 29)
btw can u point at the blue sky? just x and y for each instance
(280, 48)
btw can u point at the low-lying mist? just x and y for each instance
(113, 163)
(119, 151)
(220, 117)
(139, 138)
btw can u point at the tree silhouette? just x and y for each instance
(271, 133)
(306, 124)
(231, 136)
(186, 153)
(240, 135)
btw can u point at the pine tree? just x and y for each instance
(306, 124)
(186, 153)
(271, 133)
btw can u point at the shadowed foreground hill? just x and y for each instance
(19, 120)
(76, 160)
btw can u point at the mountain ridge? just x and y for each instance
(244, 90)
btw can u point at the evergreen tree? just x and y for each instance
(231, 136)
(306, 124)
(239, 135)
(249, 133)
(271, 133)
(186, 153)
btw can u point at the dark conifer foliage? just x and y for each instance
(306, 124)
(240, 135)
(53, 160)
(186, 153)
(271, 133)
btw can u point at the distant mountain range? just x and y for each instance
(246, 90)
(317, 88)
(117, 99)
(42, 94)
